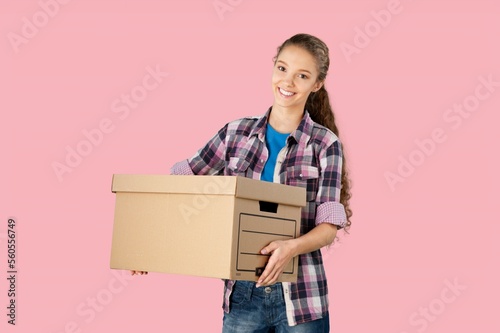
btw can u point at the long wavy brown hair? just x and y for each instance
(318, 104)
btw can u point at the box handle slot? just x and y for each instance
(260, 270)
(270, 207)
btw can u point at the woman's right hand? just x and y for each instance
(138, 272)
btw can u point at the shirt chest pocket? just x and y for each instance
(237, 166)
(306, 176)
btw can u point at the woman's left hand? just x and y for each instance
(281, 254)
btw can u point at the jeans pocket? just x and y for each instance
(238, 295)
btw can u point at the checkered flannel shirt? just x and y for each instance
(312, 158)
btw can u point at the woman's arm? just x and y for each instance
(209, 160)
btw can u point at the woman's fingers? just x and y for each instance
(138, 272)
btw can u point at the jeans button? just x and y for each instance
(268, 290)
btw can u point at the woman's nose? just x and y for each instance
(288, 80)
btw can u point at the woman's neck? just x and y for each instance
(285, 120)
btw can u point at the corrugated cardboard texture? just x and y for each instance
(197, 225)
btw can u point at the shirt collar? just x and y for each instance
(301, 135)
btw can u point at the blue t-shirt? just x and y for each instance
(275, 141)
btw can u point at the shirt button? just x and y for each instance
(268, 290)
(300, 175)
(261, 161)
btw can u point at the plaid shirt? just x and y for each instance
(312, 158)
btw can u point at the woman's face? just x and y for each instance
(294, 77)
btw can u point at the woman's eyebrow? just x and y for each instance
(300, 70)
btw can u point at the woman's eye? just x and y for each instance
(303, 76)
(281, 68)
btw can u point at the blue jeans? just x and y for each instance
(262, 310)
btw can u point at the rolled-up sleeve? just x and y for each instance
(329, 209)
(181, 168)
(209, 160)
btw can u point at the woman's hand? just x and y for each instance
(138, 272)
(283, 251)
(281, 254)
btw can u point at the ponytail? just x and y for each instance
(320, 110)
(318, 104)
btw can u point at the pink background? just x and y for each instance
(436, 227)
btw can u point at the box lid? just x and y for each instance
(273, 192)
(240, 187)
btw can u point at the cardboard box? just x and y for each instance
(209, 226)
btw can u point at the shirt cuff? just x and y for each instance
(331, 212)
(181, 168)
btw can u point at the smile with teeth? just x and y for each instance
(286, 93)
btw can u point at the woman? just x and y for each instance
(295, 143)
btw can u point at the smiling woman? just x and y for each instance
(293, 81)
(296, 143)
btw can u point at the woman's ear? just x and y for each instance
(318, 86)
